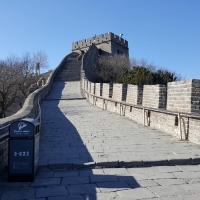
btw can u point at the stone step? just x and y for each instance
(69, 71)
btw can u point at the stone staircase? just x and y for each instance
(69, 71)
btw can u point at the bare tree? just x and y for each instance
(109, 67)
(9, 70)
(142, 63)
(27, 77)
(154, 69)
(16, 77)
(40, 60)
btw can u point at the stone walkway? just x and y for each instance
(76, 135)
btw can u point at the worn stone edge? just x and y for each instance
(121, 164)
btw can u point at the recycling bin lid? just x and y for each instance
(23, 128)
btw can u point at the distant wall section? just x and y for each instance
(105, 43)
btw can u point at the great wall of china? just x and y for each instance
(173, 109)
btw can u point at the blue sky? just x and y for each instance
(166, 32)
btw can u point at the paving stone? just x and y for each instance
(170, 190)
(75, 180)
(189, 168)
(190, 197)
(83, 189)
(15, 184)
(166, 169)
(186, 175)
(38, 199)
(18, 194)
(46, 181)
(158, 175)
(138, 193)
(68, 173)
(113, 186)
(103, 196)
(102, 178)
(116, 171)
(193, 180)
(88, 172)
(51, 192)
(171, 181)
(43, 174)
(141, 170)
(169, 198)
(191, 187)
(142, 183)
(67, 197)
(4, 188)
(126, 177)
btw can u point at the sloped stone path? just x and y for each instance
(76, 135)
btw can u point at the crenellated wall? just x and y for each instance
(98, 40)
(173, 109)
(147, 105)
(184, 96)
(107, 90)
(154, 96)
(134, 94)
(108, 43)
(119, 92)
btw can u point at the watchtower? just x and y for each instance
(106, 43)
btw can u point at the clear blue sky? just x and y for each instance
(166, 32)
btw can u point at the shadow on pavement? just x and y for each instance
(61, 144)
(62, 140)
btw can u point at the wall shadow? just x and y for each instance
(61, 143)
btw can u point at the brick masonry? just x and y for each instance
(184, 96)
(106, 43)
(134, 94)
(154, 96)
(119, 92)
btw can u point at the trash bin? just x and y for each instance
(23, 154)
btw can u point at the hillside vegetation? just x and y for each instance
(119, 69)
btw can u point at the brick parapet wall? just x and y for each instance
(195, 96)
(92, 88)
(98, 89)
(184, 96)
(161, 120)
(119, 92)
(107, 90)
(134, 94)
(154, 96)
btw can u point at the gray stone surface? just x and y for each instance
(142, 193)
(50, 192)
(83, 189)
(74, 131)
(113, 186)
(18, 194)
(94, 184)
(169, 190)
